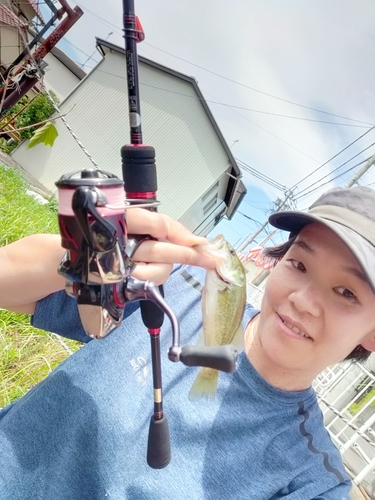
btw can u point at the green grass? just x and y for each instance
(27, 355)
(355, 407)
(20, 213)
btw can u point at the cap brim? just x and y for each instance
(362, 250)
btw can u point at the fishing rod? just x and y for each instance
(140, 178)
(98, 261)
(139, 174)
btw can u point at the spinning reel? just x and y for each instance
(97, 266)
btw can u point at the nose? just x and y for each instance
(307, 299)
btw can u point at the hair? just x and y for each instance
(276, 253)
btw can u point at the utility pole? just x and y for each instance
(279, 205)
(253, 236)
(361, 172)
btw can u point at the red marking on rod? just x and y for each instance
(136, 139)
(148, 195)
(130, 18)
(154, 331)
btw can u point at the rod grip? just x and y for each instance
(152, 314)
(221, 357)
(159, 447)
(138, 168)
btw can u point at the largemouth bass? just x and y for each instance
(223, 305)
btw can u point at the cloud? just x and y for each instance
(319, 54)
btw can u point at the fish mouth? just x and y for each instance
(222, 279)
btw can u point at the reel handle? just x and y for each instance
(100, 235)
(221, 357)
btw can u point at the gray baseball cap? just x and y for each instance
(348, 212)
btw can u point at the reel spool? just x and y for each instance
(93, 231)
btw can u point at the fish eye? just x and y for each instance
(232, 251)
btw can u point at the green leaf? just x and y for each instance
(46, 134)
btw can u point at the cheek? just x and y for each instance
(356, 328)
(277, 286)
(344, 331)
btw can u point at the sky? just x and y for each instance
(273, 73)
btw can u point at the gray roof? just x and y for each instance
(66, 61)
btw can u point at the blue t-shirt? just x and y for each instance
(82, 432)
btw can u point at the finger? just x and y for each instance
(161, 226)
(158, 273)
(160, 251)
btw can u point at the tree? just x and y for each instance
(37, 111)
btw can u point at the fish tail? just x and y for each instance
(205, 385)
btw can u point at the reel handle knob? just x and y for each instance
(221, 357)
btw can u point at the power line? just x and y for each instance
(257, 205)
(337, 168)
(257, 90)
(195, 97)
(232, 106)
(270, 133)
(250, 218)
(82, 51)
(325, 183)
(229, 79)
(260, 176)
(100, 18)
(217, 102)
(337, 154)
(251, 169)
(247, 167)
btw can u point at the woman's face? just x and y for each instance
(317, 306)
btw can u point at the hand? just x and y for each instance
(34, 260)
(175, 244)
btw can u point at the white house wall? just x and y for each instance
(189, 155)
(59, 78)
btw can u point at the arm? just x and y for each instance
(29, 266)
(29, 271)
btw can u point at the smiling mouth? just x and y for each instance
(295, 329)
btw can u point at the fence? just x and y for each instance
(347, 397)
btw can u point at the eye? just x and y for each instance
(345, 292)
(298, 265)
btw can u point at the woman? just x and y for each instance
(82, 432)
